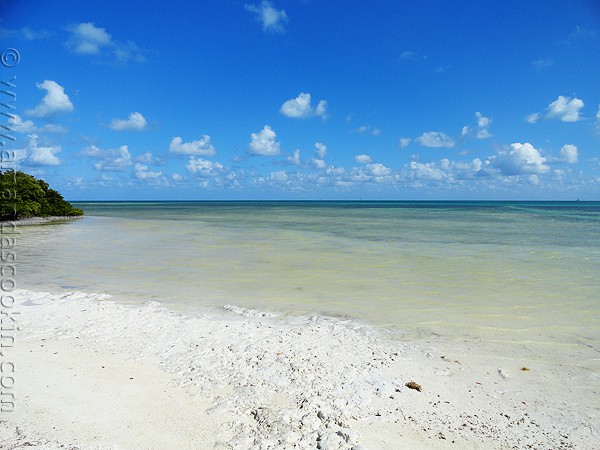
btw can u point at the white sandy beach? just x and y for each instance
(94, 374)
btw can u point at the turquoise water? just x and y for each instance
(512, 272)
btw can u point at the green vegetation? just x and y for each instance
(25, 196)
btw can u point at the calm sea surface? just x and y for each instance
(480, 271)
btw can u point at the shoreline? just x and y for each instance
(37, 220)
(243, 379)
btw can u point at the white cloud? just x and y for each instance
(88, 39)
(135, 122)
(368, 128)
(465, 131)
(598, 114)
(483, 134)
(426, 171)
(271, 19)
(264, 143)
(279, 176)
(568, 154)
(318, 163)
(145, 158)
(54, 101)
(363, 159)
(24, 33)
(294, 159)
(404, 142)
(204, 168)
(378, 170)
(533, 118)
(565, 108)
(142, 172)
(111, 160)
(520, 159)
(435, 139)
(482, 121)
(300, 107)
(21, 126)
(407, 54)
(321, 150)
(37, 155)
(18, 125)
(201, 147)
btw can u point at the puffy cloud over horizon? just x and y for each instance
(204, 168)
(111, 160)
(201, 147)
(520, 159)
(569, 154)
(264, 143)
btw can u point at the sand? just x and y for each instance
(37, 220)
(94, 374)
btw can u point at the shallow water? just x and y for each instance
(522, 273)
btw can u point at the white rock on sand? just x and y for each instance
(93, 374)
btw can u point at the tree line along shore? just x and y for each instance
(29, 200)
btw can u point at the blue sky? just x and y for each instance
(307, 99)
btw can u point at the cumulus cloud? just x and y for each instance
(368, 129)
(520, 159)
(404, 142)
(88, 39)
(318, 163)
(565, 108)
(301, 108)
(55, 100)
(426, 171)
(135, 122)
(483, 123)
(18, 125)
(279, 176)
(321, 150)
(143, 173)
(363, 159)
(111, 160)
(568, 154)
(35, 154)
(201, 147)
(377, 170)
(295, 159)
(435, 139)
(270, 18)
(264, 143)
(204, 167)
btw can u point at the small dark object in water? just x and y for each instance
(524, 369)
(413, 385)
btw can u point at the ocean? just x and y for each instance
(487, 273)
